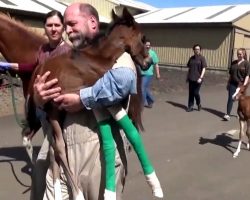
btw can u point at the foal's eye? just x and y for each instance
(143, 39)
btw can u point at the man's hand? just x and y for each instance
(69, 102)
(43, 91)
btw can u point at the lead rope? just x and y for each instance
(20, 122)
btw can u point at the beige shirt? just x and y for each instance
(125, 60)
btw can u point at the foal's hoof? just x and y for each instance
(235, 155)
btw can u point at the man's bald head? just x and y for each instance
(82, 9)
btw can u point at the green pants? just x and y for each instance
(109, 148)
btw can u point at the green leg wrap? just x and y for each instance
(108, 146)
(136, 141)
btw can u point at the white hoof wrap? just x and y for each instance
(109, 195)
(155, 185)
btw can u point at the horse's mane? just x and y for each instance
(21, 26)
(104, 33)
(118, 21)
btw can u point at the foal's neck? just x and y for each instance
(111, 48)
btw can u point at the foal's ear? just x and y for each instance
(114, 16)
(126, 15)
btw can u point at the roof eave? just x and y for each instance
(182, 24)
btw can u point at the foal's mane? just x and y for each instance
(22, 28)
(117, 22)
(105, 33)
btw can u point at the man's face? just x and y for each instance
(76, 27)
(79, 27)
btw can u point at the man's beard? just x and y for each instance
(78, 40)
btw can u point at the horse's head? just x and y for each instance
(130, 36)
(240, 92)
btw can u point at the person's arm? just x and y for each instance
(248, 73)
(246, 80)
(202, 75)
(110, 89)
(204, 66)
(157, 71)
(114, 86)
(8, 66)
(18, 67)
(188, 66)
(155, 63)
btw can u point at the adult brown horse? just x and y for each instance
(20, 44)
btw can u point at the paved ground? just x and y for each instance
(192, 152)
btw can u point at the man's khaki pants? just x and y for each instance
(83, 149)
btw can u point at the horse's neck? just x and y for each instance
(18, 44)
(110, 49)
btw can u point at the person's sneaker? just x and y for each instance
(226, 117)
(190, 109)
(149, 106)
(199, 107)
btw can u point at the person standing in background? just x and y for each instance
(147, 77)
(196, 70)
(238, 74)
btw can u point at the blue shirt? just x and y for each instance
(112, 88)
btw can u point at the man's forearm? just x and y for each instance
(112, 88)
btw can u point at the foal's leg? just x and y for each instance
(121, 117)
(242, 124)
(59, 148)
(108, 145)
(56, 174)
(248, 133)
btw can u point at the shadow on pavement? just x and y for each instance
(13, 154)
(222, 140)
(214, 112)
(175, 104)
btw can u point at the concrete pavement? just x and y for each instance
(192, 153)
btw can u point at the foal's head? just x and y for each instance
(240, 91)
(130, 36)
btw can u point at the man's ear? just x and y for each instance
(93, 22)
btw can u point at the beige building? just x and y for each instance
(220, 30)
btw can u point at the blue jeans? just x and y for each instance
(231, 90)
(147, 96)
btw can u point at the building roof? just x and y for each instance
(38, 6)
(134, 4)
(205, 14)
